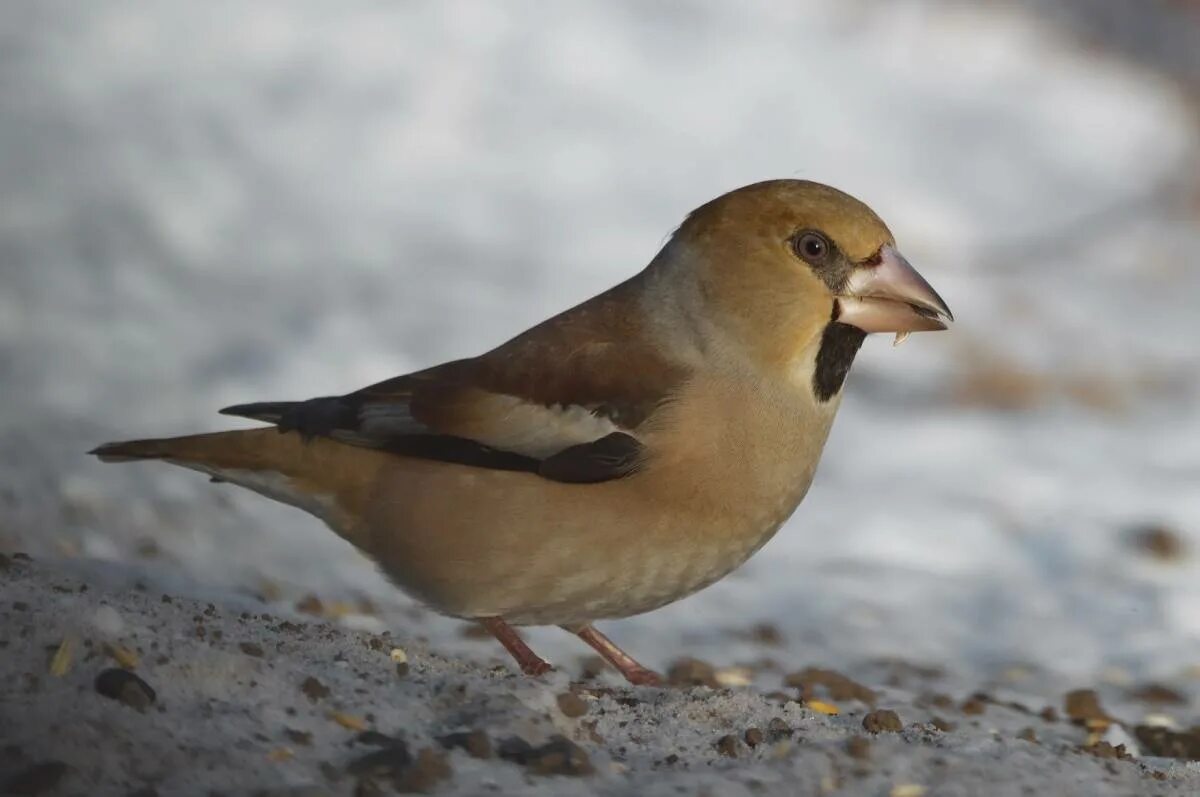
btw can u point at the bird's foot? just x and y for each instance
(642, 676)
(529, 662)
(634, 672)
(536, 666)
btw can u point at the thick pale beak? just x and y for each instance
(891, 296)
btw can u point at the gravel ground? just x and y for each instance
(110, 686)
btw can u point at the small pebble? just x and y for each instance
(728, 745)
(730, 677)
(882, 720)
(777, 728)
(688, 672)
(1082, 707)
(571, 705)
(387, 762)
(314, 689)
(125, 687)
(767, 634)
(251, 649)
(369, 786)
(348, 721)
(1159, 542)
(1159, 741)
(1028, 734)
(36, 779)
(973, 706)
(428, 769)
(753, 737)
(376, 739)
(298, 737)
(907, 790)
(310, 604)
(559, 756)
(401, 660)
(836, 685)
(476, 743)
(1106, 750)
(1158, 693)
(858, 747)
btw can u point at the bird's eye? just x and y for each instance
(811, 246)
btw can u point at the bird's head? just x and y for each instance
(774, 264)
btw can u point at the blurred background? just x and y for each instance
(210, 203)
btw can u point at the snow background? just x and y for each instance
(203, 204)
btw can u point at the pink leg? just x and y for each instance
(633, 672)
(530, 662)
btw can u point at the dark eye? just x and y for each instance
(811, 246)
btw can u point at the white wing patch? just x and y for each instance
(501, 421)
(539, 431)
(388, 419)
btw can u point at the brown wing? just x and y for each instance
(564, 399)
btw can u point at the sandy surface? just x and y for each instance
(251, 701)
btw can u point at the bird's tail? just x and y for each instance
(328, 479)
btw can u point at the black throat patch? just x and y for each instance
(839, 344)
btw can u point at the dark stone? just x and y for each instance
(837, 686)
(125, 687)
(1159, 693)
(429, 769)
(303, 738)
(314, 689)
(973, 706)
(691, 672)
(514, 749)
(36, 779)
(476, 743)
(1083, 706)
(882, 720)
(387, 762)
(858, 747)
(375, 739)
(777, 728)
(1184, 745)
(728, 746)
(559, 756)
(572, 705)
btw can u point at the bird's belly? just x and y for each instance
(644, 579)
(540, 553)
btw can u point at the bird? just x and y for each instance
(610, 460)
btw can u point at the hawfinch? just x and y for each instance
(612, 459)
